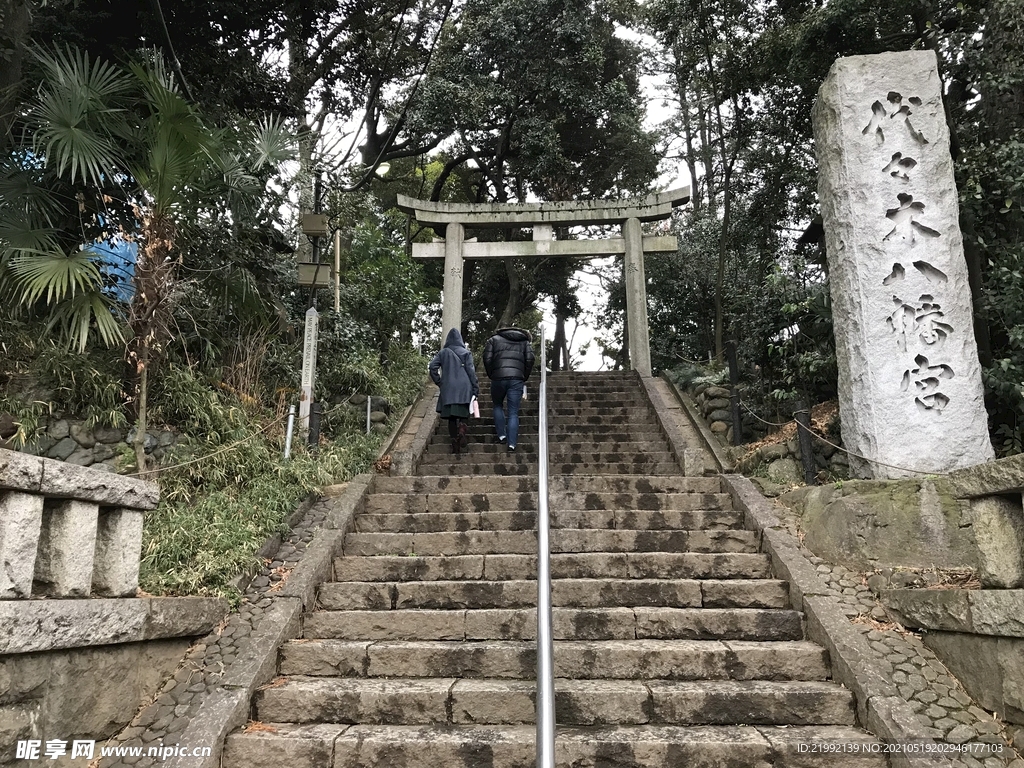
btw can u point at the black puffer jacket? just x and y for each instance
(508, 354)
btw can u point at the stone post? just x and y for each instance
(67, 547)
(451, 312)
(636, 298)
(910, 391)
(118, 548)
(21, 517)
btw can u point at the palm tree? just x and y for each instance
(123, 150)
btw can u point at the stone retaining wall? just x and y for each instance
(781, 461)
(71, 441)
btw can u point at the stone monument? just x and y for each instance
(910, 393)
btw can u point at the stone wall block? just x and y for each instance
(21, 517)
(999, 534)
(118, 548)
(910, 391)
(67, 545)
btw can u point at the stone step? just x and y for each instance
(626, 423)
(507, 501)
(468, 465)
(454, 701)
(591, 462)
(593, 483)
(442, 443)
(567, 624)
(635, 431)
(562, 540)
(575, 593)
(577, 660)
(595, 565)
(475, 746)
(670, 520)
(597, 460)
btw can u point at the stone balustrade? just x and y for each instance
(68, 531)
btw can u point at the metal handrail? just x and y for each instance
(545, 648)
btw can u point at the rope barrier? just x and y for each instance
(210, 455)
(847, 451)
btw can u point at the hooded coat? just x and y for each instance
(508, 354)
(453, 371)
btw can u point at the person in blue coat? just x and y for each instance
(453, 371)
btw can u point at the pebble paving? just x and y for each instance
(936, 696)
(207, 661)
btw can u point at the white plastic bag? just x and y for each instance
(474, 408)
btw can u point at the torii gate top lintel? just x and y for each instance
(562, 214)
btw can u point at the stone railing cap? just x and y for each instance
(56, 479)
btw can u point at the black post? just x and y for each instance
(315, 410)
(803, 428)
(734, 393)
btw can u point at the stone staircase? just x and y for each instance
(674, 646)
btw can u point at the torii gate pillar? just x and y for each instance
(451, 312)
(636, 298)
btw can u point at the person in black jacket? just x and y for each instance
(453, 371)
(508, 359)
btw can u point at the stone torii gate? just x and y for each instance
(543, 218)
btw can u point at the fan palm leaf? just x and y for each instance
(79, 115)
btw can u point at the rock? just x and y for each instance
(774, 451)
(63, 449)
(378, 417)
(877, 583)
(715, 404)
(909, 395)
(42, 444)
(165, 439)
(717, 393)
(719, 427)
(793, 444)
(768, 488)
(700, 389)
(83, 457)
(903, 579)
(380, 404)
(998, 525)
(84, 437)
(108, 435)
(380, 428)
(867, 525)
(357, 399)
(720, 415)
(149, 444)
(7, 426)
(961, 734)
(58, 429)
(784, 471)
(102, 452)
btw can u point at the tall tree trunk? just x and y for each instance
(691, 155)
(558, 344)
(149, 316)
(142, 422)
(15, 24)
(515, 298)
